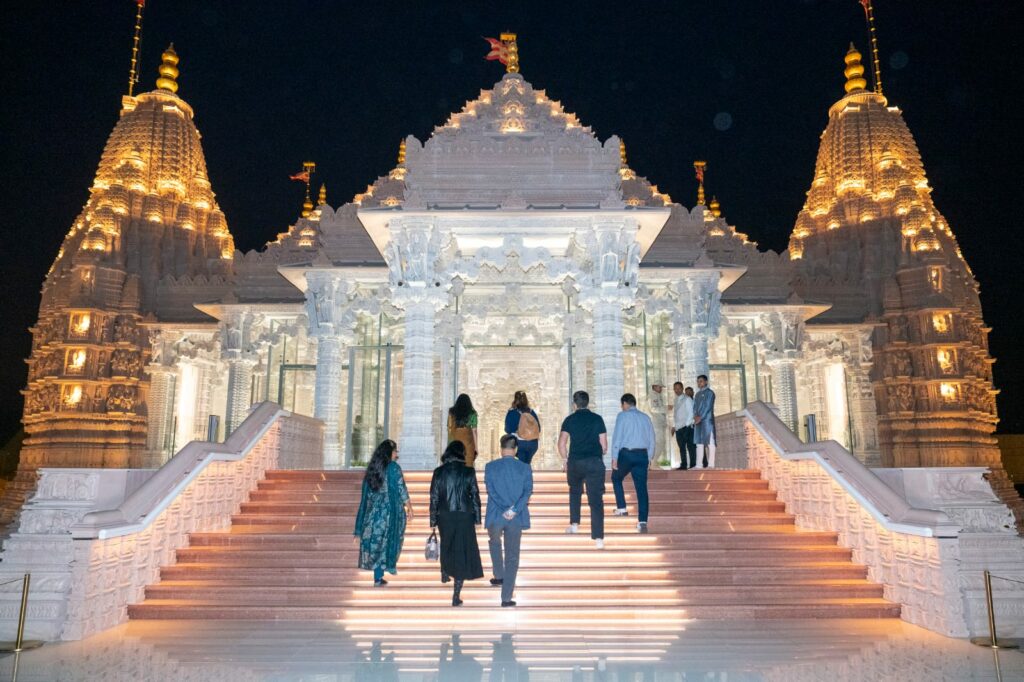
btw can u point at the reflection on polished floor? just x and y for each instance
(783, 650)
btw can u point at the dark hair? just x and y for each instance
(379, 461)
(580, 399)
(455, 451)
(628, 398)
(702, 376)
(678, 383)
(462, 410)
(520, 401)
(509, 442)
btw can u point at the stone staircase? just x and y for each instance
(720, 546)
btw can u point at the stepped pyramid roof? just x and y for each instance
(152, 172)
(869, 168)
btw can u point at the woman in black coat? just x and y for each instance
(455, 512)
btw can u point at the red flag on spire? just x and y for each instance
(864, 4)
(301, 177)
(140, 3)
(699, 170)
(498, 51)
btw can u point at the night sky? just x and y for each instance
(744, 84)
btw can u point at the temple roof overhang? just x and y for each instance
(360, 274)
(664, 274)
(552, 228)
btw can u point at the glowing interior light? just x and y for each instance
(949, 391)
(935, 278)
(945, 358)
(80, 323)
(76, 360)
(73, 395)
(941, 322)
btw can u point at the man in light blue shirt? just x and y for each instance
(633, 448)
(509, 485)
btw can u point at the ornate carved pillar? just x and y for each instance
(607, 315)
(161, 412)
(785, 331)
(327, 395)
(235, 334)
(695, 321)
(418, 390)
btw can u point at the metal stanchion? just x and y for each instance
(992, 641)
(21, 644)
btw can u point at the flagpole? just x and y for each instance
(133, 74)
(869, 14)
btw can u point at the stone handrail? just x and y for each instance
(143, 506)
(93, 539)
(914, 554)
(878, 499)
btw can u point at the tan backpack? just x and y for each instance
(528, 429)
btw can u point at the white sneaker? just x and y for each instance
(621, 512)
(599, 543)
(573, 529)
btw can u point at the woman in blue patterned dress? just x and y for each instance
(383, 510)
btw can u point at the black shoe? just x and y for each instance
(681, 468)
(496, 581)
(456, 601)
(445, 578)
(380, 583)
(508, 603)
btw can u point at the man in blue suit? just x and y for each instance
(509, 484)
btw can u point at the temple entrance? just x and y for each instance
(491, 374)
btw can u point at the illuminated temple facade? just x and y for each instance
(510, 250)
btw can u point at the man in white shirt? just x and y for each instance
(682, 426)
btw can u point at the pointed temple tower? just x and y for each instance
(148, 238)
(871, 241)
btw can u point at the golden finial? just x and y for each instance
(512, 65)
(698, 167)
(322, 199)
(401, 153)
(715, 207)
(308, 168)
(622, 153)
(854, 71)
(168, 70)
(133, 73)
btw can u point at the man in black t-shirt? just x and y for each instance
(587, 439)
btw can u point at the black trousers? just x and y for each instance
(589, 472)
(687, 448)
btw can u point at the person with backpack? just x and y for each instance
(523, 423)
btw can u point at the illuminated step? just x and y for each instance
(562, 618)
(357, 474)
(538, 498)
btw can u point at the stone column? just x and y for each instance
(327, 396)
(694, 352)
(417, 440)
(161, 409)
(784, 389)
(239, 393)
(608, 374)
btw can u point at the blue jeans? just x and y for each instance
(526, 450)
(378, 575)
(633, 462)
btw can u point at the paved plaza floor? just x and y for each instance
(722, 651)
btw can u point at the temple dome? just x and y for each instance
(868, 168)
(152, 172)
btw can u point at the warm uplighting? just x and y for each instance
(79, 324)
(513, 125)
(72, 395)
(941, 322)
(946, 358)
(950, 392)
(935, 277)
(75, 361)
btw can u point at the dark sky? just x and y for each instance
(745, 84)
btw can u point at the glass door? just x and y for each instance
(729, 382)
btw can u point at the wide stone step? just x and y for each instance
(561, 496)
(679, 523)
(423, 593)
(553, 618)
(260, 577)
(612, 555)
(313, 540)
(357, 474)
(656, 507)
